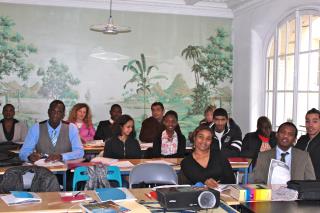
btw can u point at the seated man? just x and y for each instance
(57, 139)
(152, 126)
(227, 138)
(263, 139)
(310, 142)
(105, 128)
(298, 161)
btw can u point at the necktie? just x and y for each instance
(283, 156)
(54, 137)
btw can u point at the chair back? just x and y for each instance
(152, 173)
(80, 174)
(114, 174)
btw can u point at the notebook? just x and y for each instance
(115, 194)
(105, 207)
(74, 196)
(21, 197)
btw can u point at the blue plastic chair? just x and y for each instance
(114, 174)
(80, 174)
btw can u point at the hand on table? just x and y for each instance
(34, 157)
(54, 157)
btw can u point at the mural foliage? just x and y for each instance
(73, 74)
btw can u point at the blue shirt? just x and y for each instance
(32, 139)
(287, 157)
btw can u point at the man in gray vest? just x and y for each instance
(54, 139)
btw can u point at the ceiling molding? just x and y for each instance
(209, 8)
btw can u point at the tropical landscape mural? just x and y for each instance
(49, 53)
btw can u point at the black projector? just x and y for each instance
(181, 198)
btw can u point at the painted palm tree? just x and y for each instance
(142, 77)
(193, 52)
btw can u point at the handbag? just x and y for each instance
(307, 189)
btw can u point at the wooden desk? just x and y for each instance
(245, 167)
(51, 202)
(280, 206)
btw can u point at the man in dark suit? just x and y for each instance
(104, 130)
(152, 126)
(311, 141)
(298, 161)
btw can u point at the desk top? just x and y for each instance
(283, 207)
(51, 202)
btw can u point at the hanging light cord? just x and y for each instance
(110, 9)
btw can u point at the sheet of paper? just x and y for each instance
(122, 164)
(104, 160)
(42, 162)
(159, 161)
(284, 194)
(95, 143)
(279, 172)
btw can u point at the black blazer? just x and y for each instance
(251, 145)
(104, 131)
(313, 149)
(181, 146)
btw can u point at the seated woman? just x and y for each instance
(205, 165)
(123, 144)
(81, 116)
(263, 139)
(171, 142)
(11, 129)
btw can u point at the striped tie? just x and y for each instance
(54, 137)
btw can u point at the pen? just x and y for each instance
(77, 194)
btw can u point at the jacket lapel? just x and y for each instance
(294, 162)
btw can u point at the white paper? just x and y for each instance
(107, 161)
(12, 200)
(122, 164)
(95, 143)
(284, 194)
(279, 172)
(159, 161)
(42, 162)
(145, 146)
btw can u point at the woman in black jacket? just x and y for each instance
(205, 165)
(123, 144)
(170, 143)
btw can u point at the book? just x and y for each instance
(238, 160)
(250, 192)
(105, 207)
(21, 197)
(75, 196)
(115, 194)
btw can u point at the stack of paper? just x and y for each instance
(42, 162)
(20, 197)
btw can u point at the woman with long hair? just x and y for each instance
(81, 116)
(123, 144)
(204, 164)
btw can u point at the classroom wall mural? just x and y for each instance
(49, 53)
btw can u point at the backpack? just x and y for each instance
(97, 177)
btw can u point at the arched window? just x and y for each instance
(293, 67)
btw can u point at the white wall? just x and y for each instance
(252, 29)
